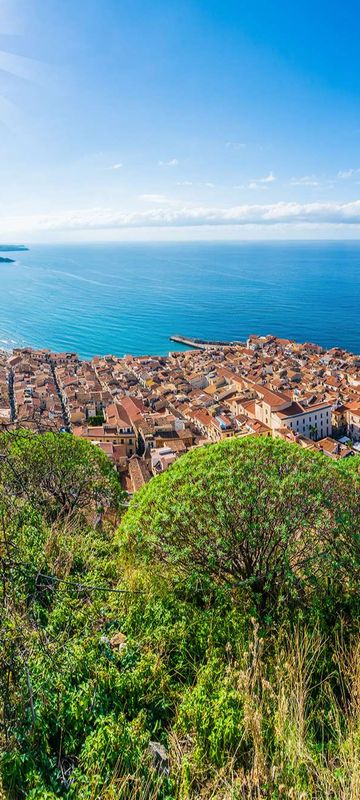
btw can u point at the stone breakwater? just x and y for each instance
(202, 344)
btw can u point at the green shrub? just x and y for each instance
(253, 514)
(59, 474)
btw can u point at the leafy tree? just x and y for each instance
(313, 432)
(344, 544)
(98, 419)
(59, 473)
(246, 512)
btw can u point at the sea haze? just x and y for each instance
(129, 298)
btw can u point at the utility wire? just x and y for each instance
(82, 587)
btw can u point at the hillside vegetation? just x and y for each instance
(217, 616)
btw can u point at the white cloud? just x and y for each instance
(173, 162)
(305, 180)
(270, 178)
(116, 166)
(153, 198)
(347, 173)
(261, 183)
(236, 145)
(208, 184)
(314, 181)
(187, 216)
(27, 68)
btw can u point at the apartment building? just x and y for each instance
(277, 410)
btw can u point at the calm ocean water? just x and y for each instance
(127, 298)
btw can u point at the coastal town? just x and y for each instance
(144, 412)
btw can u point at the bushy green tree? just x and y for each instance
(344, 545)
(246, 513)
(58, 473)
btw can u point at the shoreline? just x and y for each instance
(191, 342)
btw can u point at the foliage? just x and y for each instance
(254, 690)
(98, 419)
(256, 513)
(58, 474)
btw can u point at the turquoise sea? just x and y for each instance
(129, 298)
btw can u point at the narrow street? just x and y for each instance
(65, 413)
(11, 395)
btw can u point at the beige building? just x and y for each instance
(353, 421)
(276, 410)
(117, 430)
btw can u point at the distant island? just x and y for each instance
(12, 248)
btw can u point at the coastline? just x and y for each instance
(192, 342)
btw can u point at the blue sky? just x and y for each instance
(179, 120)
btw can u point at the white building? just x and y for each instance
(277, 410)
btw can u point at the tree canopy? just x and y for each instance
(58, 473)
(253, 512)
